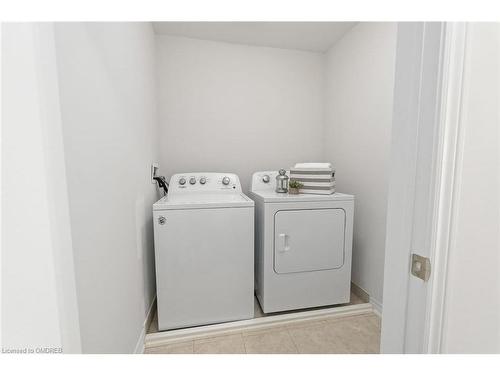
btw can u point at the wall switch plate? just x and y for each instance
(154, 171)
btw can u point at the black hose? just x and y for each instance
(162, 183)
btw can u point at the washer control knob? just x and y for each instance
(182, 181)
(226, 180)
(203, 180)
(192, 180)
(266, 178)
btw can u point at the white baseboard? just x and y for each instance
(377, 306)
(140, 346)
(187, 334)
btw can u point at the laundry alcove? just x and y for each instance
(187, 96)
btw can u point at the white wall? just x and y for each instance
(358, 116)
(241, 108)
(236, 108)
(39, 305)
(107, 87)
(472, 304)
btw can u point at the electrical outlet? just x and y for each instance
(154, 171)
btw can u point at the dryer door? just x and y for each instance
(308, 240)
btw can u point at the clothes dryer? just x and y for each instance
(303, 247)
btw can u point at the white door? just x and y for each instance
(309, 240)
(429, 62)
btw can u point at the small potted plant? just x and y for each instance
(294, 187)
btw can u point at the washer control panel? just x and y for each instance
(204, 182)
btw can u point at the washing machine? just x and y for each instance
(303, 247)
(204, 251)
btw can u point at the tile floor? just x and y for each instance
(353, 334)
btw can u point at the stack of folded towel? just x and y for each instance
(317, 178)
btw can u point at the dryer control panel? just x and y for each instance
(181, 183)
(265, 180)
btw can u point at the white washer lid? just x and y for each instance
(272, 196)
(203, 200)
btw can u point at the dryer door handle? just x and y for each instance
(285, 245)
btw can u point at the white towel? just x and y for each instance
(317, 192)
(313, 165)
(316, 178)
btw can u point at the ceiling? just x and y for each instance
(307, 36)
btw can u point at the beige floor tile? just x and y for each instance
(273, 341)
(316, 340)
(180, 348)
(364, 316)
(229, 344)
(280, 327)
(358, 333)
(306, 323)
(257, 331)
(375, 319)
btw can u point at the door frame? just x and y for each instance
(444, 182)
(449, 179)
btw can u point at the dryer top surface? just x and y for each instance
(272, 196)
